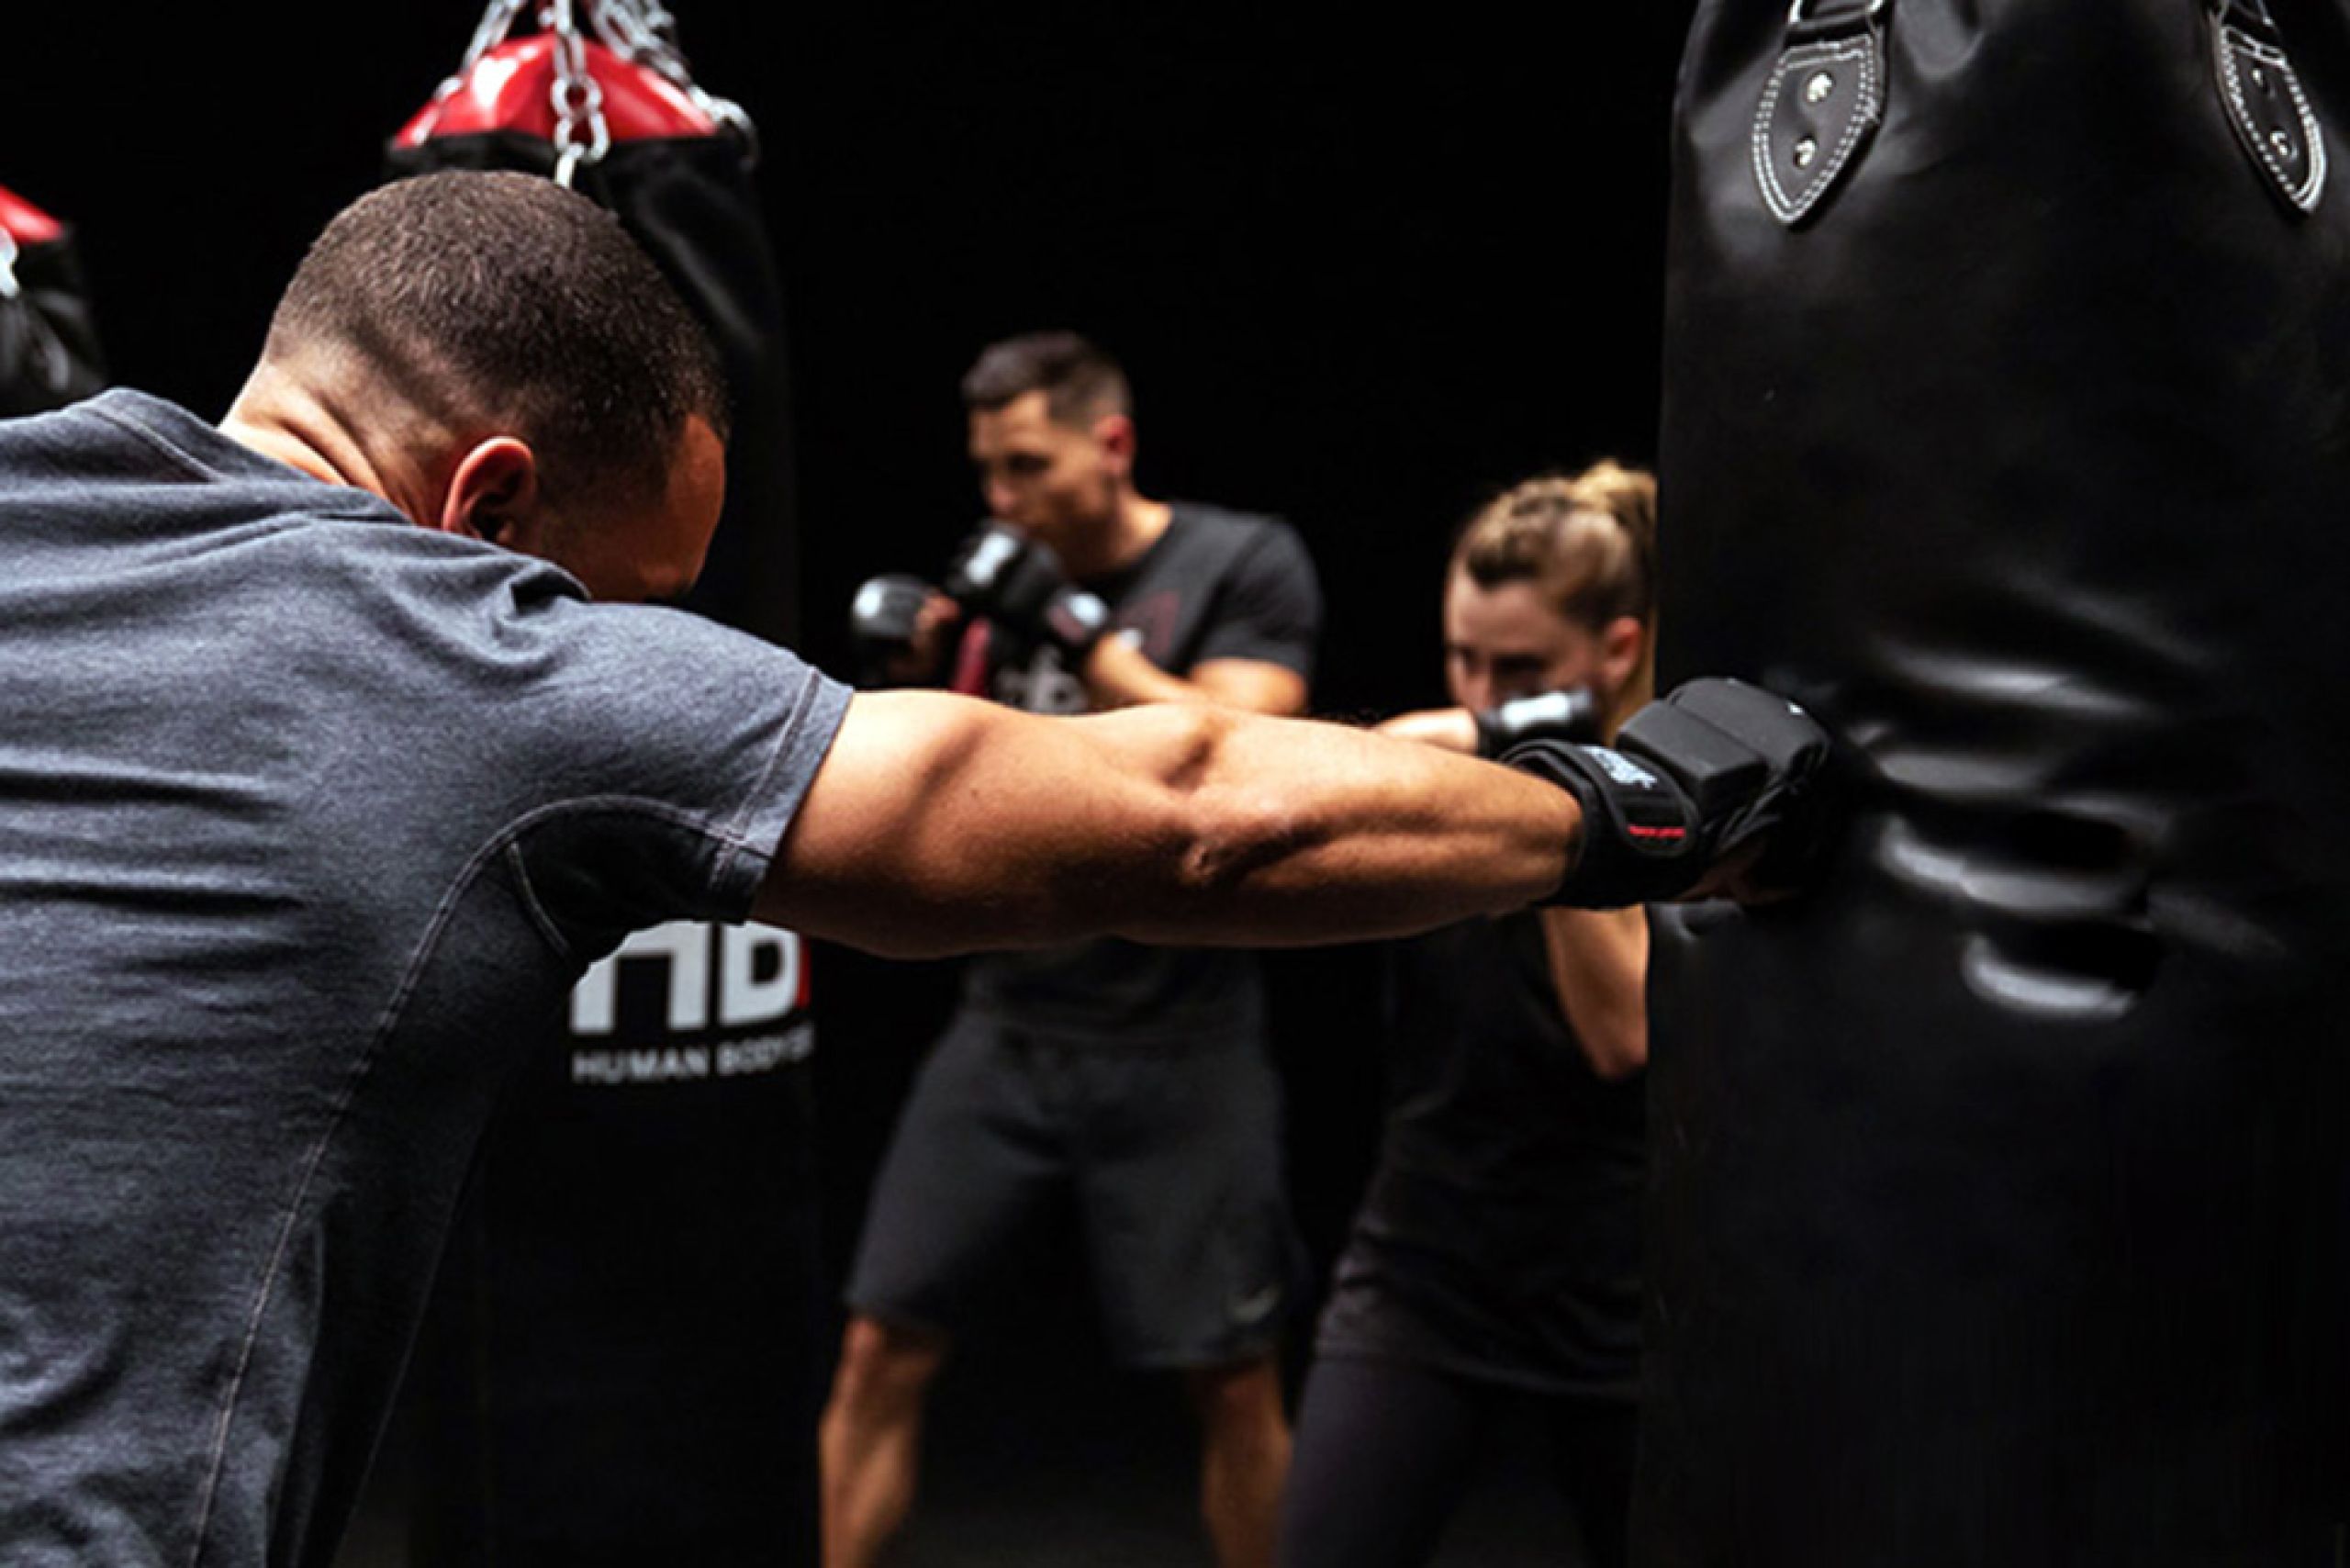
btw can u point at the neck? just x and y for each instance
(302, 424)
(1135, 524)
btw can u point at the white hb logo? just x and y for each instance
(704, 960)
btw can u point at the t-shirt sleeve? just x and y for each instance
(1271, 606)
(672, 755)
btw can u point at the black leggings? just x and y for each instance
(1385, 1452)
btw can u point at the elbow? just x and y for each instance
(1225, 830)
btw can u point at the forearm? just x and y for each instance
(1598, 961)
(1119, 675)
(939, 826)
(1454, 729)
(1318, 832)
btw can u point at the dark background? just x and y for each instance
(1363, 274)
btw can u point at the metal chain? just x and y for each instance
(496, 23)
(9, 287)
(581, 135)
(642, 31)
(645, 32)
(489, 33)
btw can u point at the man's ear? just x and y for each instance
(1114, 434)
(494, 494)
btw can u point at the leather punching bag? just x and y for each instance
(1998, 1189)
(602, 100)
(48, 349)
(623, 1365)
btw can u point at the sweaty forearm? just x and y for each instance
(1306, 832)
(941, 825)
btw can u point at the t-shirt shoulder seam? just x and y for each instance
(737, 835)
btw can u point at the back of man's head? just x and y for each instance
(1079, 381)
(502, 302)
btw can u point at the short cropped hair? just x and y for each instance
(504, 297)
(1079, 381)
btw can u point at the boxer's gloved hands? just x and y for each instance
(1569, 715)
(895, 630)
(1719, 776)
(1016, 583)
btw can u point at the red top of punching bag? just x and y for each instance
(24, 222)
(512, 88)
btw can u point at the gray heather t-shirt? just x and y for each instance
(309, 818)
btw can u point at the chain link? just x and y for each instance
(641, 32)
(581, 135)
(496, 23)
(9, 287)
(645, 32)
(489, 33)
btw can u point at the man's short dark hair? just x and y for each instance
(1081, 383)
(505, 297)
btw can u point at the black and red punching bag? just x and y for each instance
(1999, 1188)
(48, 347)
(602, 100)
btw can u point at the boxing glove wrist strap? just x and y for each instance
(1640, 841)
(1719, 771)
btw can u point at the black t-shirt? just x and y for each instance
(1217, 585)
(1500, 1237)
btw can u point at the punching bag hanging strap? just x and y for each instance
(2265, 101)
(1824, 101)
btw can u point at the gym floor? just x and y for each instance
(1088, 1465)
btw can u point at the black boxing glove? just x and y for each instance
(1016, 583)
(1569, 715)
(1716, 768)
(882, 621)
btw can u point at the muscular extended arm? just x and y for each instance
(941, 825)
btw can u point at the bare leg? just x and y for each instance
(870, 1441)
(1243, 1457)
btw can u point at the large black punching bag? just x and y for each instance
(624, 1364)
(1998, 1192)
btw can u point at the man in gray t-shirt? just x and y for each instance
(308, 815)
(328, 762)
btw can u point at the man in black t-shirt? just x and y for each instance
(1127, 1082)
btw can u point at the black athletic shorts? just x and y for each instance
(1168, 1157)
